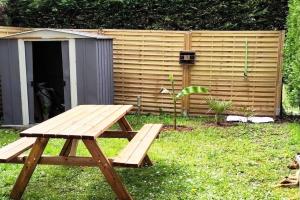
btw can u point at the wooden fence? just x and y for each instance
(143, 60)
(242, 66)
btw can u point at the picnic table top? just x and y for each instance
(81, 122)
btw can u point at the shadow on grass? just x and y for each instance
(59, 182)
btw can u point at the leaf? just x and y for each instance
(171, 77)
(191, 90)
(219, 107)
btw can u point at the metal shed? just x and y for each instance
(75, 67)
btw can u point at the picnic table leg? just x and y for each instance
(74, 147)
(108, 171)
(69, 148)
(28, 168)
(125, 126)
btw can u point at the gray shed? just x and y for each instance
(47, 71)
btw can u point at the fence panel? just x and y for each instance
(241, 66)
(142, 62)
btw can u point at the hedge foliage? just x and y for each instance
(148, 14)
(292, 53)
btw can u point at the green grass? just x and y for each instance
(235, 162)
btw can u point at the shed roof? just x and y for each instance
(48, 33)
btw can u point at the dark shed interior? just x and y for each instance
(47, 79)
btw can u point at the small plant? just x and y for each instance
(218, 107)
(185, 92)
(247, 112)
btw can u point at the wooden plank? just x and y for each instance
(28, 168)
(108, 171)
(145, 144)
(236, 39)
(236, 54)
(53, 122)
(135, 31)
(85, 113)
(59, 160)
(73, 149)
(94, 112)
(99, 124)
(85, 121)
(16, 148)
(125, 126)
(65, 161)
(185, 102)
(118, 134)
(66, 148)
(134, 152)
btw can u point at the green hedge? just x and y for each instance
(292, 54)
(149, 14)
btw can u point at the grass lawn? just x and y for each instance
(209, 162)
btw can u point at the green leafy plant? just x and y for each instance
(155, 14)
(292, 55)
(185, 92)
(247, 112)
(219, 107)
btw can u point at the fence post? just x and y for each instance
(278, 98)
(186, 73)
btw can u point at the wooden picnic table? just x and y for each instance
(86, 123)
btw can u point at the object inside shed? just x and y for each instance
(48, 79)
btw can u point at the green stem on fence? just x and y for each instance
(217, 119)
(175, 116)
(174, 102)
(246, 60)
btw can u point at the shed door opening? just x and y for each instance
(48, 80)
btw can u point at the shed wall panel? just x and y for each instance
(11, 93)
(91, 71)
(4, 30)
(80, 57)
(1, 109)
(105, 73)
(94, 71)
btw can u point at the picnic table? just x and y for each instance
(85, 123)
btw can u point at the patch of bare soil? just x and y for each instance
(180, 128)
(288, 118)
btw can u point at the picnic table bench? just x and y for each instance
(86, 123)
